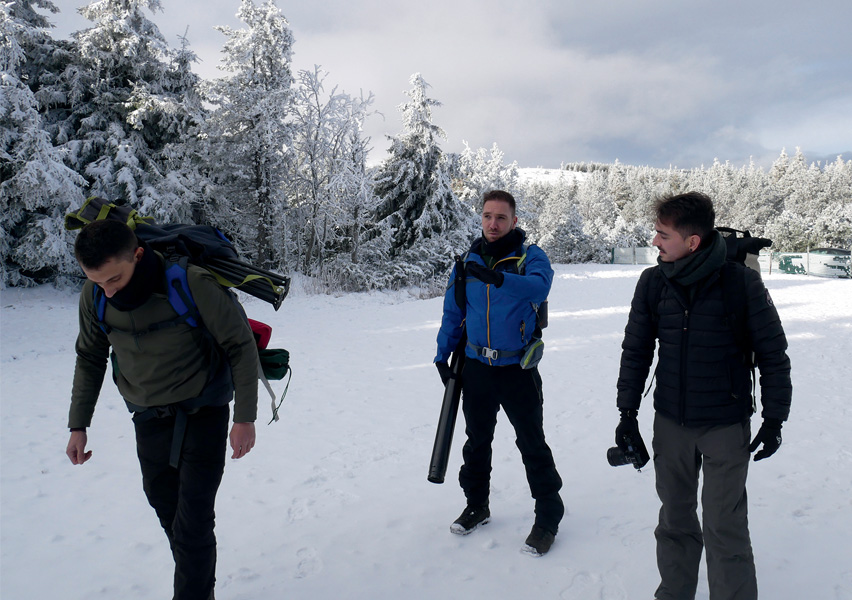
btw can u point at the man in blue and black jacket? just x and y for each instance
(702, 398)
(506, 282)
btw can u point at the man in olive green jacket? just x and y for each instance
(176, 378)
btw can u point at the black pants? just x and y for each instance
(518, 391)
(184, 497)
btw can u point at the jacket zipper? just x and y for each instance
(488, 317)
(683, 357)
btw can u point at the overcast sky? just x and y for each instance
(646, 82)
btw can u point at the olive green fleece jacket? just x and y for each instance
(168, 365)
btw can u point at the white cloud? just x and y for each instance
(658, 82)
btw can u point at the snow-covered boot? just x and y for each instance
(470, 519)
(538, 541)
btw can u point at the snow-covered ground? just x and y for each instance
(333, 503)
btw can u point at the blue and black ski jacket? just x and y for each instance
(500, 321)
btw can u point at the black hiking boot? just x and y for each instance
(538, 541)
(470, 519)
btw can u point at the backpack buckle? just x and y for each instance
(489, 353)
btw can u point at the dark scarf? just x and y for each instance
(147, 278)
(504, 246)
(697, 266)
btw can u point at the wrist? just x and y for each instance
(628, 413)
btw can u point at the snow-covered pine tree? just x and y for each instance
(561, 233)
(480, 171)
(248, 134)
(125, 103)
(424, 221)
(37, 188)
(179, 191)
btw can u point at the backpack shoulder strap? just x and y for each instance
(522, 260)
(734, 297)
(653, 298)
(459, 281)
(178, 292)
(99, 302)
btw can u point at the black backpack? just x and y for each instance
(743, 248)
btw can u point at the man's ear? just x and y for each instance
(138, 253)
(694, 242)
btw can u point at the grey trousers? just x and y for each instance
(721, 452)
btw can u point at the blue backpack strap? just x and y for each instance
(178, 293)
(99, 300)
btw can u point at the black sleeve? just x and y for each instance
(770, 348)
(637, 349)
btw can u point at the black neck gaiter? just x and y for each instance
(147, 278)
(501, 248)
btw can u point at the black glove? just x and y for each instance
(769, 435)
(628, 426)
(444, 371)
(484, 274)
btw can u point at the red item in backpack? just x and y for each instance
(262, 332)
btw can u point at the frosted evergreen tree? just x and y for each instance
(425, 222)
(330, 189)
(248, 133)
(757, 203)
(126, 105)
(37, 188)
(561, 234)
(183, 185)
(483, 170)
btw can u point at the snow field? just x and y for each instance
(334, 503)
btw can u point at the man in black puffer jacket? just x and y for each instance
(702, 398)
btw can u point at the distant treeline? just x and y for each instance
(277, 161)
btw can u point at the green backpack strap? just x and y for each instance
(98, 209)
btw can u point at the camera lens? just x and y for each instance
(616, 457)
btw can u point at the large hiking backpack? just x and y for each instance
(206, 247)
(743, 248)
(202, 245)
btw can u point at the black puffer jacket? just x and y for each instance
(702, 378)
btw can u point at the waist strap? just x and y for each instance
(492, 354)
(218, 392)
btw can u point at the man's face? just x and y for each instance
(672, 245)
(498, 219)
(115, 273)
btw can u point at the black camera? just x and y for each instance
(636, 453)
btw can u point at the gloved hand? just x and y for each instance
(444, 371)
(484, 274)
(629, 426)
(769, 435)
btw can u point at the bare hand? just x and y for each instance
(242, 439)
(76, 449)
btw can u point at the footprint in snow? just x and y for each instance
(309, 563)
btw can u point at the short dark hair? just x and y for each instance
(101, 241)
(499, 195)
(691, 213)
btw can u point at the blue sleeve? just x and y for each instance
(451, 323)
(534, 284)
